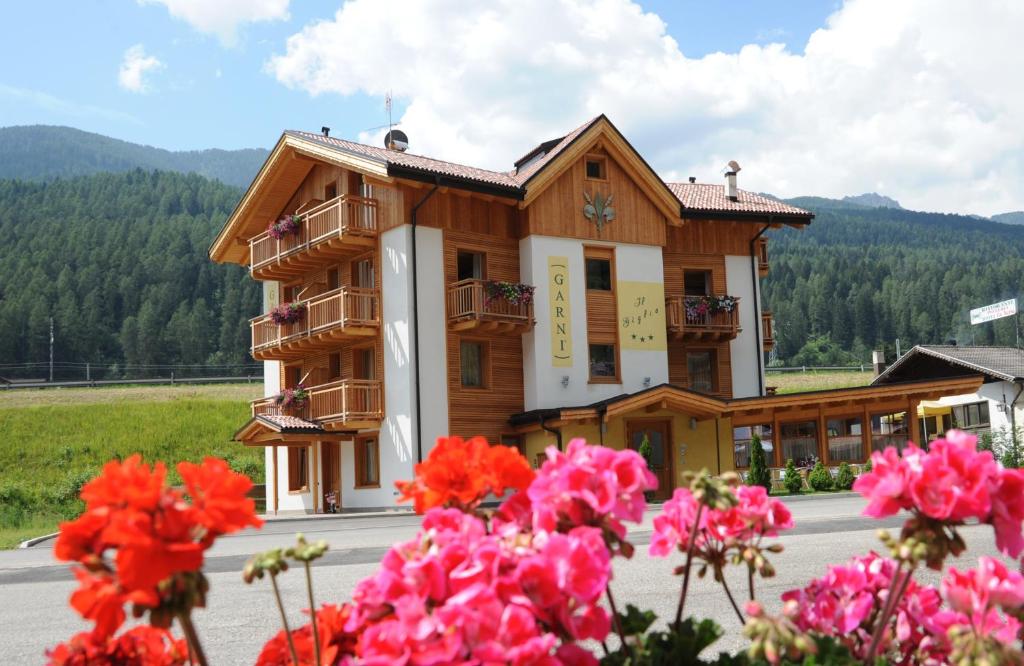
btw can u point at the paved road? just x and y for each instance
(33, 590)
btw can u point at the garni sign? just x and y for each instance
(994, 311)
(641, 315)
(561, 315)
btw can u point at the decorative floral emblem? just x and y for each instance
(598, 210)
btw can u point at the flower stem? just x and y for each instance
(750, 581)
(312, 614)
(689, 563)
(615, 615)
(725, 586)
(284, 620)
(896, 590)
(194, 647)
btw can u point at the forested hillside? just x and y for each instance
(119, 261)
(859, 278)
(44, 152)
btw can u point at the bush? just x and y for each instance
(845, 477)
(16, 505)
(868, 466)
(759, 474)
(820, 478)
(793, 481)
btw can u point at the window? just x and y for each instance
(470, 265)
(334, 365)
(697, 283)
(597, 168)
(973, 415)
(298, 468)
(700, 371)
(292, 375)
(799, 441)
(333, 279)
(742, 438)
(364, 364)
(355, 183)
(330, 190)
(515, 441)
(889, 430)
(602, 362)
(599, 274)
(472, 359)
(367, 461)
(846, 439)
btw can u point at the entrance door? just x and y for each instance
(330, 464)
(657, 433)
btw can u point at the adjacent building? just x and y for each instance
(575, 294)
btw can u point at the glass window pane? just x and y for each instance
(471, 358)
(470, 265)
(700, 371)
(599, 274)
(983, 413)
(696, 283)
(602, 360)
(799, 441)
(845, 443)
(889, 430)
(742, 438)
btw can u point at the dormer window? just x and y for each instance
(596, 168)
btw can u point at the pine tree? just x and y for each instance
(759, 474)
(793, 481)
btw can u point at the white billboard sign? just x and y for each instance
(994, 311)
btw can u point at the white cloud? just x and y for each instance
(915, 99)
(222, 17)
(134, 66)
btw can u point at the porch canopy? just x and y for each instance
(834, 426)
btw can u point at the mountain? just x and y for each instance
(858, 278)
(873, 200)
(1016, 217)
(45, 152)
(118, 260)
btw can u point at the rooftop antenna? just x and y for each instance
(394, 139)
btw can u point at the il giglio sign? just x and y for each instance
(994, 311)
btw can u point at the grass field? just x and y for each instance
(796, 382)
(53, 440)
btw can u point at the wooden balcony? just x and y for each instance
(710, 327)
(469, 308)
(340, 227)
(345, 313)
(762, 256)
(767, 331)
(346, 404)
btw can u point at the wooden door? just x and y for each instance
(330, 466)
(657, 433)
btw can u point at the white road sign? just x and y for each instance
(994, 311)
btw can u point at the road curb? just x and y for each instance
(815, 496)
(28, 543)
(337, 516)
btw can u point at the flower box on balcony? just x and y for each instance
(289, 224)
(513, 293)
(698, 307)
(292, 400)
(288, 313)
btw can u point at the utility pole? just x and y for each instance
(51, 349)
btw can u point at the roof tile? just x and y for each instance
(709, 197)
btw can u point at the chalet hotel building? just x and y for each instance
(576, 294)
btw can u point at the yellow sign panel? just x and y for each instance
(642, 315)
(561, 315)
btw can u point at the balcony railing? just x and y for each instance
(348, 311)
(469, 306)
(347, 402)
(687, 324)
(762, 256)
(340, 226)
(767, 330)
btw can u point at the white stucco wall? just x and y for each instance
(543, 381)
(998, 395)
(745, 349)
(433, 336)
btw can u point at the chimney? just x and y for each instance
(731, 170)
(878, 362)
(693, 179)
(326, 130)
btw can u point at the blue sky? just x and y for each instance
(210, 95)
(827, 97)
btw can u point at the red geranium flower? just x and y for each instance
(460, 473)
(141, 646)
(219, 496)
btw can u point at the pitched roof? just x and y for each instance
(707, 197)
(1000, 363)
